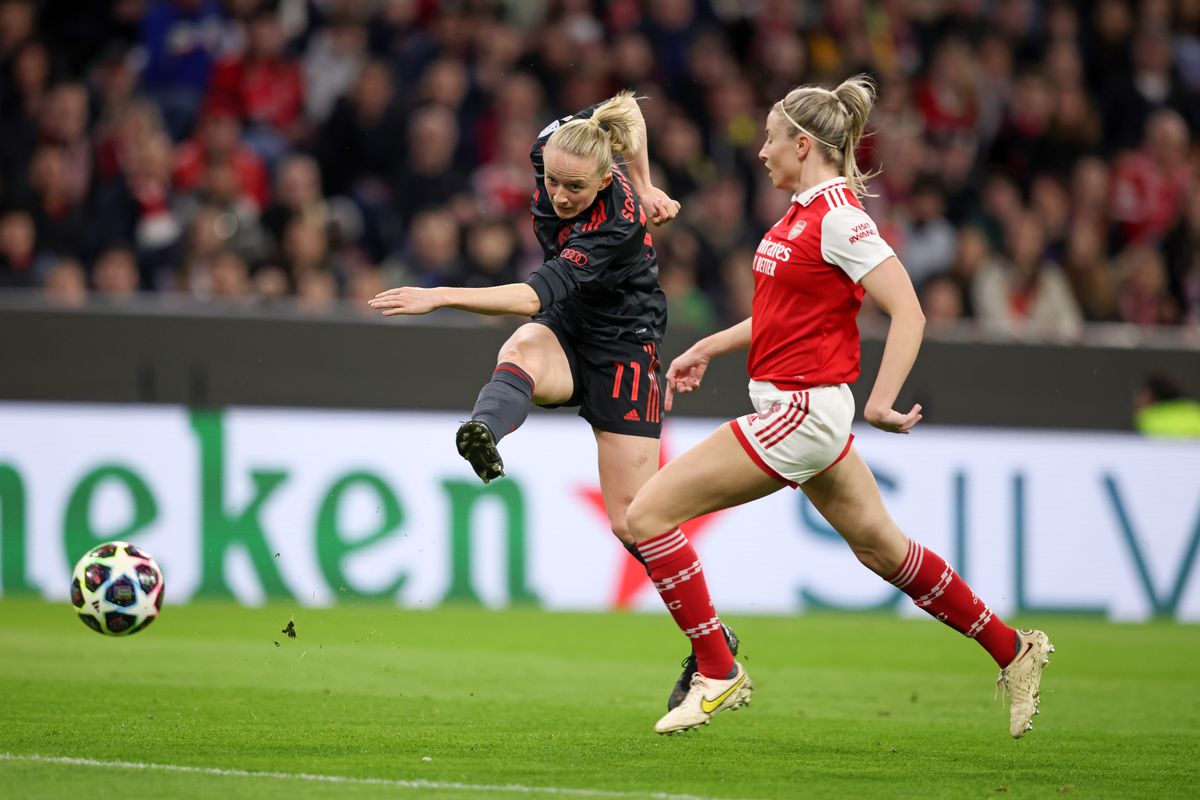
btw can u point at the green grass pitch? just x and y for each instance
(373, 701)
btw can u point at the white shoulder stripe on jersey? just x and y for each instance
(835, 196)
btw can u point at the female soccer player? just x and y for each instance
(810, 272)
(598, 312)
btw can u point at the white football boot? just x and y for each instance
(1021, 679)
(706, 697)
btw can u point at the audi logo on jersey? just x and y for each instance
(574, 256)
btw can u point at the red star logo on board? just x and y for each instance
(633, 576)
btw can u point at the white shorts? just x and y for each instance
(796, 435)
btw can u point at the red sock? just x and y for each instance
(679, 578)
(938, 590)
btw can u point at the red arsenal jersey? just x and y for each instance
(807, 271)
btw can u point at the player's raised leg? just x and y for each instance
(715, 474)
(848, 497)
(531, 368)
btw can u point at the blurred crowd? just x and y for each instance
(1039, 160)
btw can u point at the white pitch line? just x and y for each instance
(449, 786)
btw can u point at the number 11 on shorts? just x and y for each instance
(637, 377)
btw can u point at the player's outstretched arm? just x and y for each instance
(890, 287)
(686, 371)
(511, 298)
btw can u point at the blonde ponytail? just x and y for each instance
(614, 128)
(836, 121)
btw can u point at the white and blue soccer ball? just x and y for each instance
(117, 589)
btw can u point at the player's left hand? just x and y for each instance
(892, 421)
(660, 208)
(406, 300)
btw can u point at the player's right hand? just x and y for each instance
(659, 206)
(406, 300)
(684, 375)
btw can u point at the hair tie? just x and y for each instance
(603, 125)
(802, 129)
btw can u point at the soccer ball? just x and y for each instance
(117, 589)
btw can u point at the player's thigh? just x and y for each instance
(534, 348)
(626, 462)
(714, 474)
(848, 497)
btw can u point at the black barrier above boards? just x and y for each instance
(185, 355)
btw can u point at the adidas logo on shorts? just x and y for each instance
(632, 416)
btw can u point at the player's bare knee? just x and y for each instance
(879, 547)
(524, 357)
(869, 557)
(639, 522)
(621, 531)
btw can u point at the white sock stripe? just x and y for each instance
(899, 574)
(678, 578)
(664, 553)
(655, 548)
(912, 565)
(659, 541)
(703, 629)
(980, 624)
(938, 588)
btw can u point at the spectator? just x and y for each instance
(972, 252)
(491, 253)
(1143, 296)
(929, 239)
(333, 60)
(63, 121)
(20, 261)
(305, 249)
(66, 284)
(718, 221)
(1023, 295)
(1022, 146)
(229, 279)
(263, 88)
(432, 255)
(1150, 185)
(182, 40)
(502, 186)
(1089, 272)
(60, 221)
(687, 306)
(115, 275)
(297, 194)
(1183, 259)
(356, 147)
(1132, 97)
(270, 284)
(682, 158)
(317, 292)
(428, 177)
(941, 302)
(218, 140)
(28, 82)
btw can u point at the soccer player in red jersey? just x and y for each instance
(811, 271)
(598, 312)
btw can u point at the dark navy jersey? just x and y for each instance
(600, 277)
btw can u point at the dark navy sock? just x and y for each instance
(504, 401)
(633, 551)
